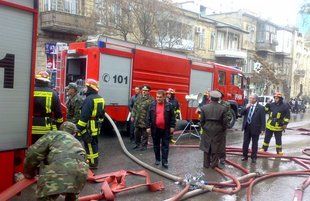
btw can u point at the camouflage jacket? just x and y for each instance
(228, 112)
(62, 161)
(140, 110)
(74, 105)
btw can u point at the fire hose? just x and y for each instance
(212, 186)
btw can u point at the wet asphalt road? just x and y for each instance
(184, 161)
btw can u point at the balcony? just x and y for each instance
(299, 73)
(57, 21)
(231, 53)
(267, 47)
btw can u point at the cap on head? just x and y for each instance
(215, 95)
(222, 95)
(68, 127)
(43, 76)
(72, 85)
(146, 88)
(92, 84)
(170, 91)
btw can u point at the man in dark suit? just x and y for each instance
(254, 123)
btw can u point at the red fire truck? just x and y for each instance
(120, 66)
(18, 20)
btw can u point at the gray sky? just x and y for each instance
(279, 11)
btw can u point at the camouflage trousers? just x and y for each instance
(68, 197)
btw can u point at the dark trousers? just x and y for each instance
(268, 136)
(222, 155)
(92, 151)
(246, 141)
(210, 159)
(141, 137)
(132, 131)
(35, 138)
(161, 137)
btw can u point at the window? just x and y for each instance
(236, 80)
(201, 39)
(220, 40)
(212, 41)
(71, 6)
(68, 6)
(222, 78)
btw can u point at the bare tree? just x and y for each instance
(115, 16)
(266, 76)
(172, 31)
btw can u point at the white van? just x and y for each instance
(263, 100)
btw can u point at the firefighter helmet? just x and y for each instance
(278, 94)
(92, 84)
(43, 76)
(170, 91)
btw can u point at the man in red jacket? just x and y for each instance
(160, 124)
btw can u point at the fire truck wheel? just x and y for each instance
(233, 120)
(180, 125)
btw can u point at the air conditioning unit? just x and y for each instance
(198, 29)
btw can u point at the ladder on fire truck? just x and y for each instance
(60, 66)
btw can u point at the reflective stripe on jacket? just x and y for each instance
(92, 112)
(279, 115)
(46, 107)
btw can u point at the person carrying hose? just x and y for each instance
(279, 117)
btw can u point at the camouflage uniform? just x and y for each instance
(74, 105)
(139, 113)
(222, 155)
(62, 161)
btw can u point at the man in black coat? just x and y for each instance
(254, 123)
(160, 124)
(213, 119)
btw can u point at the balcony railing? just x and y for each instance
(232, 53)
(66, 23)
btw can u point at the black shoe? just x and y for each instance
(157, 162)
(165, 165)
(244, 159)
(135, 147)
(254, 160)
(143, 149)
(222, 161)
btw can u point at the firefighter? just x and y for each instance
(139, 117)
(92, 114)
(213, 119)
(73, 103)
(175, 103)
(229, 117)
(279, 116)
(47, 114)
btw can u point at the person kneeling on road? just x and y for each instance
(62, 162)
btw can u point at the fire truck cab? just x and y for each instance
(120, 66)
(17, 60)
